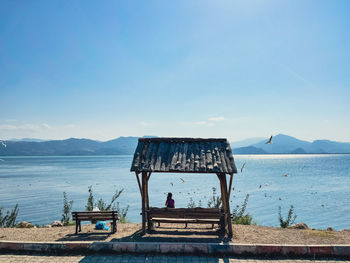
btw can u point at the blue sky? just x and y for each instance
(234, 69)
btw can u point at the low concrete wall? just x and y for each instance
(180, 248)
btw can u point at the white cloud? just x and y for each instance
(8, 127)
(216, 119)
(71, 126)
(24, 127)
(204, 123)
(47, 126)
(143, 123)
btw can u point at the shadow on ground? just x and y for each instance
(195, 235)
(92, 236)
(175, 235)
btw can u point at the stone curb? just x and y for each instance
(269, 250)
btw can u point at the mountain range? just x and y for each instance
(281, 144)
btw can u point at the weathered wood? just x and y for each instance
(137, 155)
(147, 203)
(223, 162)
(228, 211)
(181, 140)
(184, 157)
(230, 187)
(223, 200)
(159, 156)
(228, 160)
(175, 156)
(197, 158)
(156, 156)
(189, 221)
(148, 157)
(149, 175)
(214, 158)
(142, 156)
(144, 180)
(95, 215)
(171, 152)
(202, 164)
(180, 155)
(194, 209)
(186, 215)
(225, 204)
(138, 182)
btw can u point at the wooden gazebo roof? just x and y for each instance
(183, 155)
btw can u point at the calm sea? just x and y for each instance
(317, 185)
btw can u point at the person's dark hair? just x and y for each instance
(170, 195)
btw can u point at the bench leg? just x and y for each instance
(76, 226)
(158, 224)
(79, 225)
(185, 225)
(114, 226)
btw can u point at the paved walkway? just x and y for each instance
(9, 258)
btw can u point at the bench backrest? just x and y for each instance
(188, 213)
(95, 215)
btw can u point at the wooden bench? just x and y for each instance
(186, 215)
(95, 216)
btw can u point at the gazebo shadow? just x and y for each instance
(175, 235)
(94, 236)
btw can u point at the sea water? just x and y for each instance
(318, 186)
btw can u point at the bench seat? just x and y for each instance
(95, 216)
(186, 215)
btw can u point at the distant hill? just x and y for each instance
(72, 146)
(27, 140)
(126, 146)
(248, 150)
(282, 144)
(246, 142)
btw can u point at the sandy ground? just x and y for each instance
(130, 232)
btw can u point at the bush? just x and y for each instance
(103, 206)
(122, 212)
(67, 207)
(214, 201)
(238, 216)
(192, 204)
(290, 218)
(9, 220)
(90, 202)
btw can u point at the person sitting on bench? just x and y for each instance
(170, 203)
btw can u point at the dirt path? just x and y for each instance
(177, 233)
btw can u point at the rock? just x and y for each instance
(299, 226)
(329, 229)
(56, 224)
(24, 224)
(346, 229)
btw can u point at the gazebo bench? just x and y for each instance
(95, 216)
(186, 215)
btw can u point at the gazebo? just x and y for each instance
(184, 155)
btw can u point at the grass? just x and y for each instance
(320, 233)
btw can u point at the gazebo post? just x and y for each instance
(147, 203)
(225, 204)
(229, 187)
(144, 194)
(138, 182)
